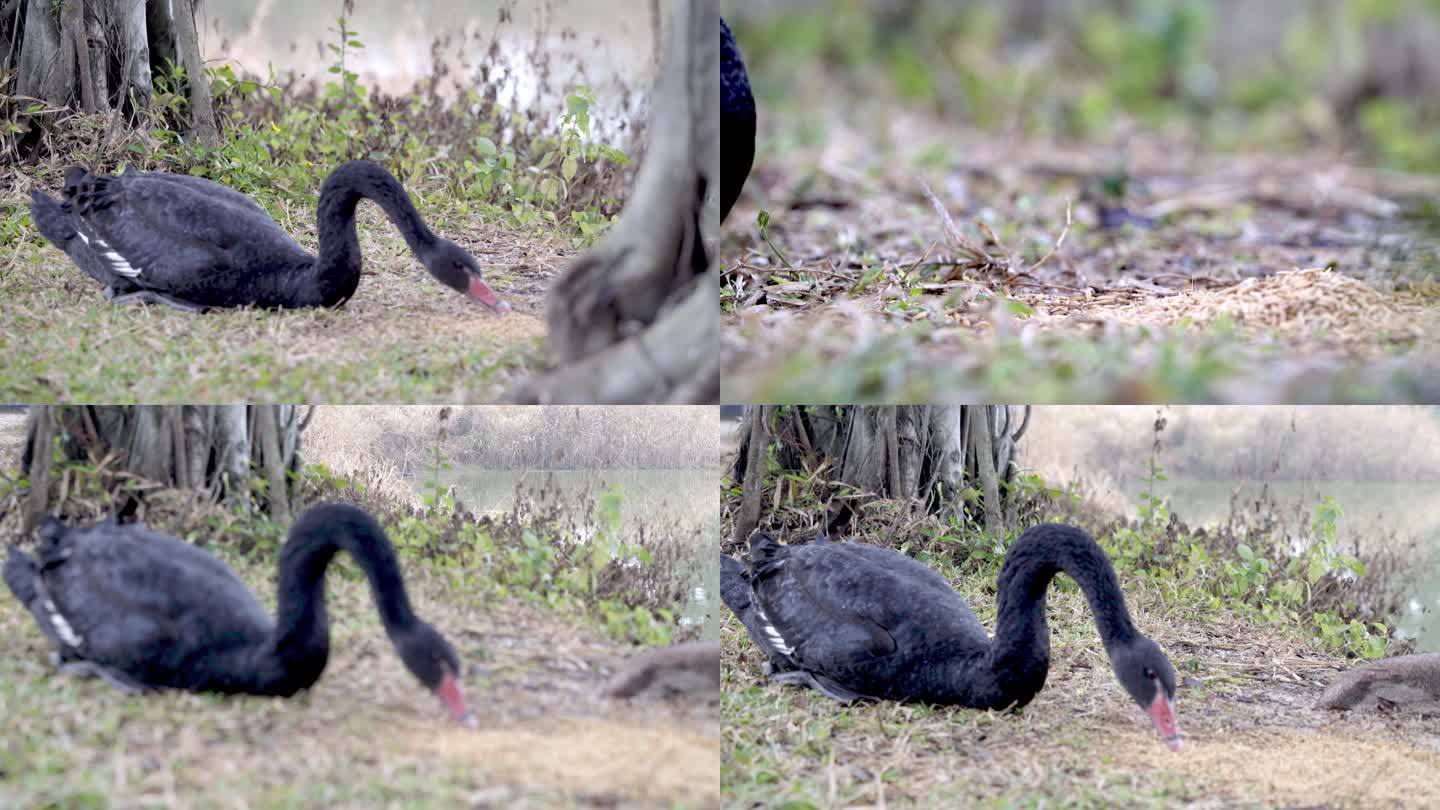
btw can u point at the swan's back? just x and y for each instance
(866, 617)
(176, 234)
(151, 608)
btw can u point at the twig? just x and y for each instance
(1058, 242)
(978, 254)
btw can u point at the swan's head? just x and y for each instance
(432, 660)
(454, 267)
(1145, 672)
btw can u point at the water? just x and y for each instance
(1370, 511)
(681, 504)
(613, 43)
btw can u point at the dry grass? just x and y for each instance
(1244, 707)
(365, 735)
(402, 337)
(887, 300)
(1315, 304)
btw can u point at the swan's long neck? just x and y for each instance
(1020, 653)
(337, 267)
(300, 646)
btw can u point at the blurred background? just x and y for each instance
(1358, 76)
(1376, 469)
(607, 47)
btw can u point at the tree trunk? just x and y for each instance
(272, 463)
(75, 49)
(203, 448)
(98, 56)
(43, 72)
(39, 451)
(753, 451)
(127, 20)
(635, 319)
(984, 450)
(187, 43)
(924, 456)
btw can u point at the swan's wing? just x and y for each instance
(735, 593)
(808, 607)
(844, 606)
(172, 235)
(222, 195)
(143, 603)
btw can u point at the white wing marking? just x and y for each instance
(63, 629)
(118, 265)
(773, 635)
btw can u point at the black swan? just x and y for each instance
(691, 669)
(737, 122)
(144, 610)
(858, 621)
(158, 238)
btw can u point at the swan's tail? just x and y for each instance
(52, 219)
(766, 555)
(20, 575)
(735, 586)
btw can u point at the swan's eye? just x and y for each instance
(1150, 673)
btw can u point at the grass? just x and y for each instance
(1244, 707)
(537, 639)
(402, 338)
(892, 247)
(523, 189)
(1255, 628)
(366, 735)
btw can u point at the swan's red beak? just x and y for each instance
(454, 700)
(1162, 714)
(481, 292)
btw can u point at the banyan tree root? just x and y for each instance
(1410, 682)
(637, 318)
(691, 669)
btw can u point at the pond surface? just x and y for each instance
(1371, 512)
(604, 46)
(681, 504)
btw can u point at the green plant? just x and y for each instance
(1153, 509)
(762, 220)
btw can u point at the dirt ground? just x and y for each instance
(1244, 704)
(366, 735)
(1208, 277)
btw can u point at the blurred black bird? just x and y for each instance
(737, 122)
(189, 243)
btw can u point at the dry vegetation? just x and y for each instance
(975, 218)
(405, 439)
(1247, 298)
(1251, 665)
(485, 172)
(366, 735)
(1244, 705)
(1279, 443)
